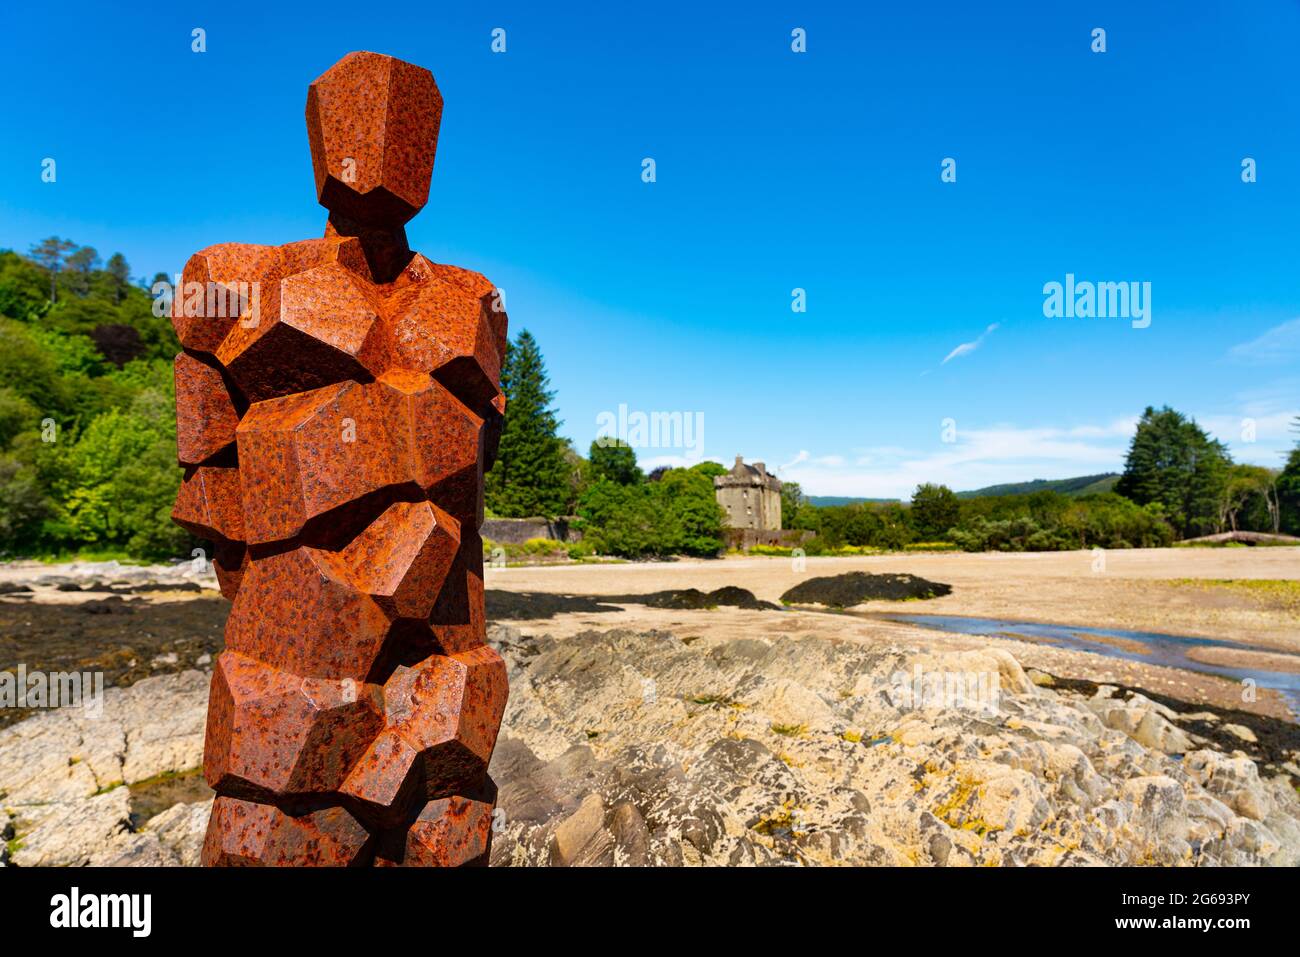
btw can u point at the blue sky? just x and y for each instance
(775, 171)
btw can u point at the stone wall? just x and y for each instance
(746, 538)
(516, 531)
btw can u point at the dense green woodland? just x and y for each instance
(88, 454)
(87, 428)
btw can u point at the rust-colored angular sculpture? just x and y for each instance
(337, 403)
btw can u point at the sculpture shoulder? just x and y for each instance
(216, 284)
(440, 279)
(423, 270)
(229, 262)
(232, 262)
(310, 253)
(473, 282)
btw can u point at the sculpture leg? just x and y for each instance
(334, 771)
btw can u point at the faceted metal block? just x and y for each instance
(247, 834)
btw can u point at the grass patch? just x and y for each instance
(952, 811)
(165, 777)
(712, 699)
(1272, 592)
(781, 823)
(788, 551)
(156, 794)
(107, 555)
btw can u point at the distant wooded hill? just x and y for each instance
(1083, 485)
(826, 501)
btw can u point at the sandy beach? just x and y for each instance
(1231, 595)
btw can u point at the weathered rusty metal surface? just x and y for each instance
(209, 504)
(206, 419)
(449, 832)
(382, 115)
(211, 299)
(252, 834)
(338, 400)
(327, 317)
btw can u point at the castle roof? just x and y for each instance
(748, 475)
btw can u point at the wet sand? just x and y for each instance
(1134, 590)
(1138, 590)
(150, 632)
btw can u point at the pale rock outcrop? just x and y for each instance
(62, 772)
(800, 750)
(75, 833)
(152, 727)
(173, 838)
(1144, 721)
(625, 748)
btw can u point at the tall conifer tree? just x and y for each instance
(1174, 463)
(530, 476)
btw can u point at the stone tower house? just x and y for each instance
(750, 497)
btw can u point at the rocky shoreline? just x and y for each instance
(628, 747)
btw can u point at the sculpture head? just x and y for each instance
(373, 125)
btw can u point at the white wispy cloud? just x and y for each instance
(979, 457)
(1279, 344)
(966, 348)
(1004, 453)
(1236, 429)
(1261, 429)
(1278, 395)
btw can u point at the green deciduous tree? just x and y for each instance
(24, 506)
(710, 468)
(24, 290)
(935, 509)
(87, 449)
(623, 520)
(1248, 500)
(119, 480)
(792, 500)
(677, 515)
(613, 459)
(1288, 491)
(688, 495)
(50, 254)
